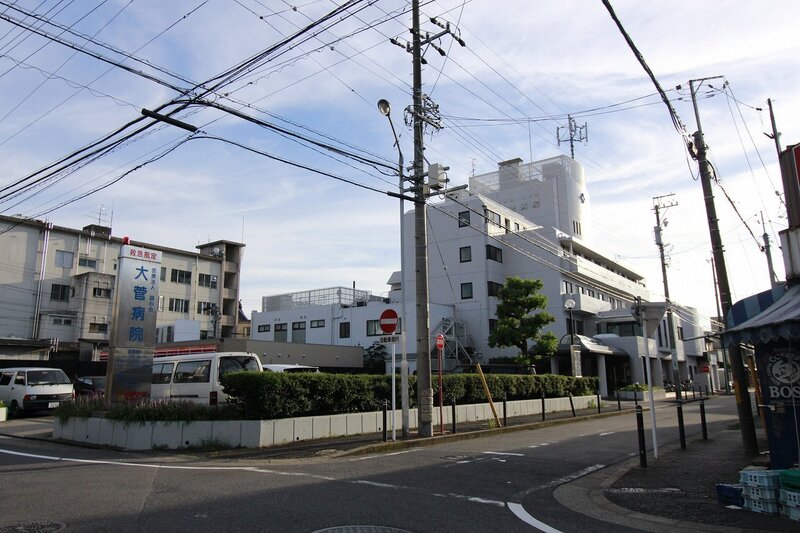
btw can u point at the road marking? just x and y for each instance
(639, 490)
(385, 454)
(559, 481)
(523, 515)
(505, 453)
(537, 445)
(606, 433)
(473, 499)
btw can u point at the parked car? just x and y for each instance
(90, 386)
(196, 377)
(30, 389)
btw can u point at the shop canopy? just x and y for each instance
(777, 320)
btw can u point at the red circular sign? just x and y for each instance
(388, 321)
(440, 341)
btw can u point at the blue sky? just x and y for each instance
(523, 60)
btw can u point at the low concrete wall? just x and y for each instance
(265, 433)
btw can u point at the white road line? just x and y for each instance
(559, 481)
(385, 454)
(245, 469)
(505, 453)
(606, 433)
(523, 515)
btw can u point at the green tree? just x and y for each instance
(374, 359)
(516, 320)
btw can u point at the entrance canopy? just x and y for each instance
(781, 320)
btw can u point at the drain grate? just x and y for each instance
(34, 527)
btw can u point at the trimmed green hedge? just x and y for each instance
(272, 395)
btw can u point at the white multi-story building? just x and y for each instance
(58, 283)
(526, 220)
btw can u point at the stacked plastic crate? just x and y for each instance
(790, 494)
(761, 490)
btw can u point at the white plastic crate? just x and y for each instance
(770, 479)
(761, 493)
(790, 498)
(761, 506)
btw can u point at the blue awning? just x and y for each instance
(781, 320)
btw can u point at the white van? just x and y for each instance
(290, 368)
(196, 377)
(29, 389)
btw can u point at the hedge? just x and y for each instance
(271, 395)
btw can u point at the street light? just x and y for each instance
(386, 109)
(569, 305)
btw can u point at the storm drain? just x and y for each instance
(34, 527)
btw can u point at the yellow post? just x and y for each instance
(488, 394)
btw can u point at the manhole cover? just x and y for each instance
(361, 529)
(34, 527)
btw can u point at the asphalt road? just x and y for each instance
(501, 483)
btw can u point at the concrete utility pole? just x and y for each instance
(773, 277)
(743, 404)
(671, 337)
(423, 112)
(776, 135)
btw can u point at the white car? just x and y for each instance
(32, 389)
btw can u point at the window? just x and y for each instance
(59, 293)
(163, 273)
(179, 305)
(465, 254)
(344, 330)
(516, 226)
(680, 333)
(466, 291)
(98, 292)
(317, 323)
(374, 328)
(207, 280)
(162, 373)
(494, 253)
(95, 327)
(5, 379)
(463, 219)
(62, 321)
(494, 288)
(264, 328)
(492, 325)
(160, 303)
(280, 333)
(181, 276)
(86, 262)
(193, 371)
(493, 217)
(205, 308)
(567, 287)
(298, 332)
(64, 259)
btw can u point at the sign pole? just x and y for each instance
(394, 407)
(440, 345)
(404, 384)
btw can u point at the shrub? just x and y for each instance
(154, 411)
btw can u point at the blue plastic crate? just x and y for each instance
(792, 513)
(770, 479)
(761, 506)
(730, 494)
(790, 498)
(761, 493)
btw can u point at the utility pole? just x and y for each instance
(658, 205)
(773, 278)
(722, 320)
(575, 133)
(776, 136)
(423, 112)
(743, 404)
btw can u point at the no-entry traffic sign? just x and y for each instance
(388, 321)
(440, 341)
